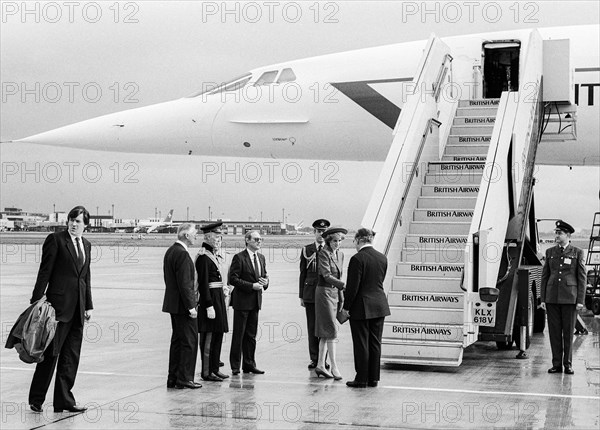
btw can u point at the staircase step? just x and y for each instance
(439, 254)
(475, 120)
(477, 111)
(467, 190)
(466, 203)
(442, 270)
(424, 315)
(453, 178)
(421, 353)
(479, 103)
(472, 130)
(423, 332)
(446, 215)
(470, 148)
(435, 240)
(455, 166)
(456, 139)
(426, 284)
(465, 157)
(429, 227)
(429, 300)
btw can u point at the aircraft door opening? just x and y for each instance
(500, 67)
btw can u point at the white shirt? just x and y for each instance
(78, 249)
(182, 244)
(252, 254)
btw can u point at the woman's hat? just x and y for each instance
(334, 230)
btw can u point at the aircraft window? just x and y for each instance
(267, 78)
(287, 75)
(232, 85)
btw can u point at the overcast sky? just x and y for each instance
(140, 53)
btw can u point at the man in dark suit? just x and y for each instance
(248, 276)
(180, 301)
(309, 278)
(563, 293)
(367, 307)
(65, 271)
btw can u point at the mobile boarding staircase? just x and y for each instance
(452, 211)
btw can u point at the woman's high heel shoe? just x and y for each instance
(336, 375)
(322, 372)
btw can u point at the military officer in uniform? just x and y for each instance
(309, 277)
(212, 311)
(563, 293)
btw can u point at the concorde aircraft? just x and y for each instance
(344, 106)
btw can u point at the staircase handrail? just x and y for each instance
(415, 122)
(499, 195)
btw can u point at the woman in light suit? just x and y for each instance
(329, 298)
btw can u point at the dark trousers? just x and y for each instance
(64, 351)
(366, 340)
(210, 350)
(313, 341)
(561, 325)
(243, 339)
(184, 348)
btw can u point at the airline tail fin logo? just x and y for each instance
(169, 216)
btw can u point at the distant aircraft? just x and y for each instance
(149, 226)
(344, 106)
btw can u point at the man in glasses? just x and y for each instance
(248, 276)
(309, 278)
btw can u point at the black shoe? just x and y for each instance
(324, 373)
(372, 383)
(73, 408)
(170, 384)
(211, 377)
(254, 370)
(235, 372)
(221, 364)
(356, 384)
(555, 369)
(35, 407)
(221, 375)
(569, 370)
(312, 364)
(187, 384)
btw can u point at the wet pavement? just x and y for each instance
(122, 373)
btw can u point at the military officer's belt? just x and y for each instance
(217, 284)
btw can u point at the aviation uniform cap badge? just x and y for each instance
(212, 228)
(563, 226)
(321, 224)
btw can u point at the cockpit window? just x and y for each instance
(267, 78)
(232, 85)
(287, 75)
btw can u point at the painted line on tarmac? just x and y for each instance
(391, 387)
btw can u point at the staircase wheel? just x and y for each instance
(596, 305)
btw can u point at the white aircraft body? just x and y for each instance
(336, 107)
(148, 226)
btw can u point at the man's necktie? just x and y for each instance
(80, 258)
(256, 268)
(320, 248)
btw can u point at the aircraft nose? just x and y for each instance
(175, 127)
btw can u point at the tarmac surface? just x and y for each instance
(122, 373)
